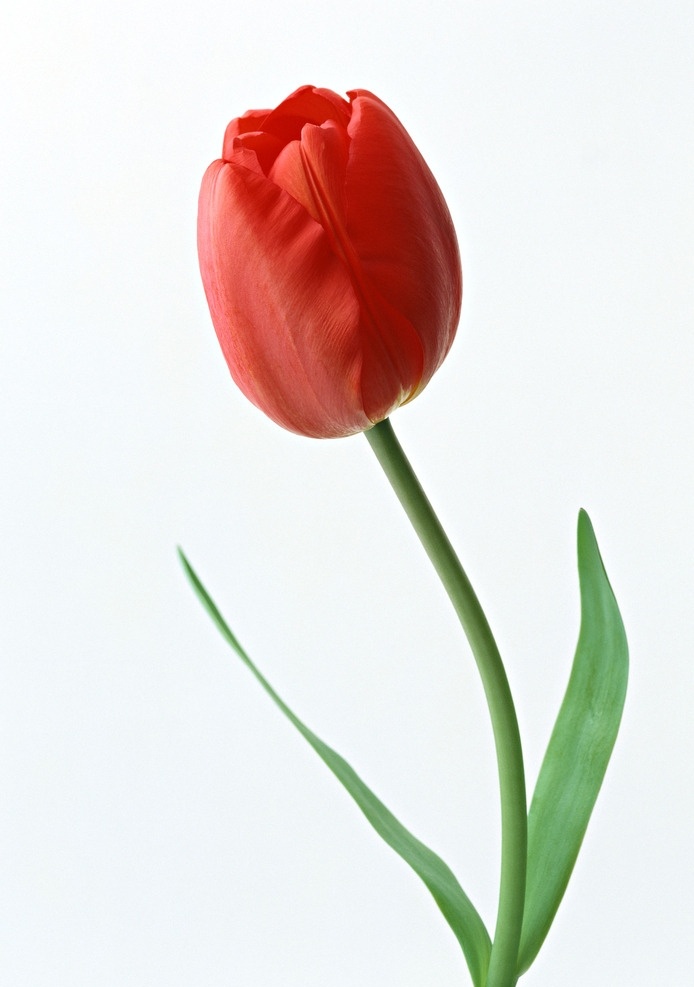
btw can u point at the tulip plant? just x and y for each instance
(332, 272)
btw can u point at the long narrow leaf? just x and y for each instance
(579, 748)
(456, 907)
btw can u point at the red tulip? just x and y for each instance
(329, 261)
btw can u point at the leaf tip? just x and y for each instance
(586, 533)
(584, 519)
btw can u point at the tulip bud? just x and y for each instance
(329, 261)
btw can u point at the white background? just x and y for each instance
(162, 826)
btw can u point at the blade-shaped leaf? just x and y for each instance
(456, 907)
(579, 748)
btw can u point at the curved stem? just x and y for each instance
(509, 755)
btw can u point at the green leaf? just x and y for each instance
(456, 907)
(579, 748)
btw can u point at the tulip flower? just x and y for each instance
(333, 277)
(329, 261)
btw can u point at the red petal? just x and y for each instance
(265, 148)
(250, 121)
(281, 302)
(401, 229)
(312, 170)
(306, 105)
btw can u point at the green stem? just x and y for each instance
(509, 755)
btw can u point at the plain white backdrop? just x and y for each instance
(161, 825)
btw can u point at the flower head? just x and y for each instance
(329, 261)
